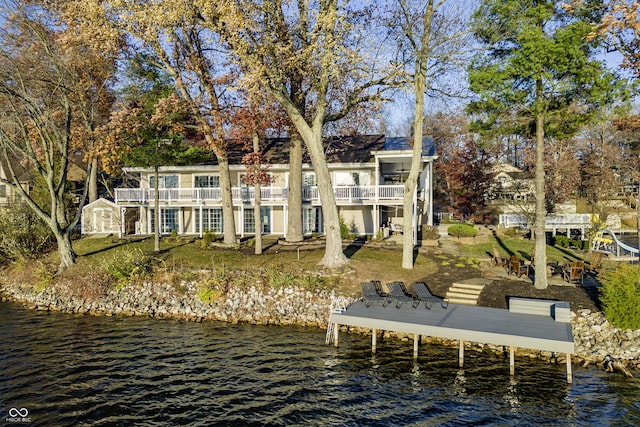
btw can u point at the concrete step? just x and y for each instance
(475, 286)
(465, 290)
(462, 301)
(451, 294)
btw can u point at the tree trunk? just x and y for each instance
(334, 256)
(65, 249)
(227, 200)
(156, 210)
(420, 82)
(93, 181)
(540, 235)
(294, 200)
(258, 202)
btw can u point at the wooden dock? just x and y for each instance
(528, 323)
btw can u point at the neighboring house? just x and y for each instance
(76, 176)
(7, 192)
(508, 184)
(367, 172)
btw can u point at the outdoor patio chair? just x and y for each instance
(397, 293)
(371, 294)
(575, 272)
(423, 294)
(596, 260)
(517, 267)
(496, 259)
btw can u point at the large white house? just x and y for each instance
(367, 172)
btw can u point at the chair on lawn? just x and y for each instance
(496, 259)
(423, 294)
(575, 272)
(397, 293)
(596, 260)
(517, 267)
(371, 294)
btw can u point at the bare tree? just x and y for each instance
(432, 35)
(318, 40)
(47, 110)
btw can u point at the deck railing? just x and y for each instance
(358, 194)
(551, 221)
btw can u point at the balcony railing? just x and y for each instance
(197, 195)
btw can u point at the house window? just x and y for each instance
(168, 219)
(211, 220)
(352, 178)
(207, 181)
(250, 223)
(309, 179)
(310, 220)
(166, 181)
(3, 190)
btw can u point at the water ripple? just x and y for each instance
(104, 371)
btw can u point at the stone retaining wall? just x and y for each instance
(596, 341)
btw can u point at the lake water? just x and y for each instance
(69, 370)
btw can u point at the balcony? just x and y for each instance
(343, 194)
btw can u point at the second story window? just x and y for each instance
(309, 179)
(359, 178)
(207, 181)
(166, 181)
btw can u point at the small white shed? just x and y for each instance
(101, 217)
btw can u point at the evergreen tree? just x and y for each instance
(536, 78)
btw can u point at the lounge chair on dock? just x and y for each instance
(371, 294)
(397, 293)
(424, 295)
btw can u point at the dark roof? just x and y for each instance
(21, 172)
(337, 149)
(406, 143)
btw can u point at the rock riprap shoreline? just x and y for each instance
(596, 341)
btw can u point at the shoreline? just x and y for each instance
(596, 342)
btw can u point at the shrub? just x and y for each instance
(208, 294)
(620, 296)
(208, 238)
(344, 229)
(128, 265)
(23, 233)
(462, 230)
(511, 232)
(561, 241)
(277, 278)
(310, 282)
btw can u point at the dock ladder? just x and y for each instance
(338, 305)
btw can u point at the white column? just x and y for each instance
(429, 194)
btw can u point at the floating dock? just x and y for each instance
(528, 323)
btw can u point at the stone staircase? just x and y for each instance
(466, 291)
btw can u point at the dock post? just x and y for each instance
(512, 366)
(569, 375)
(336, 328)
(461, 354)
(374, 337)
(416, 341)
